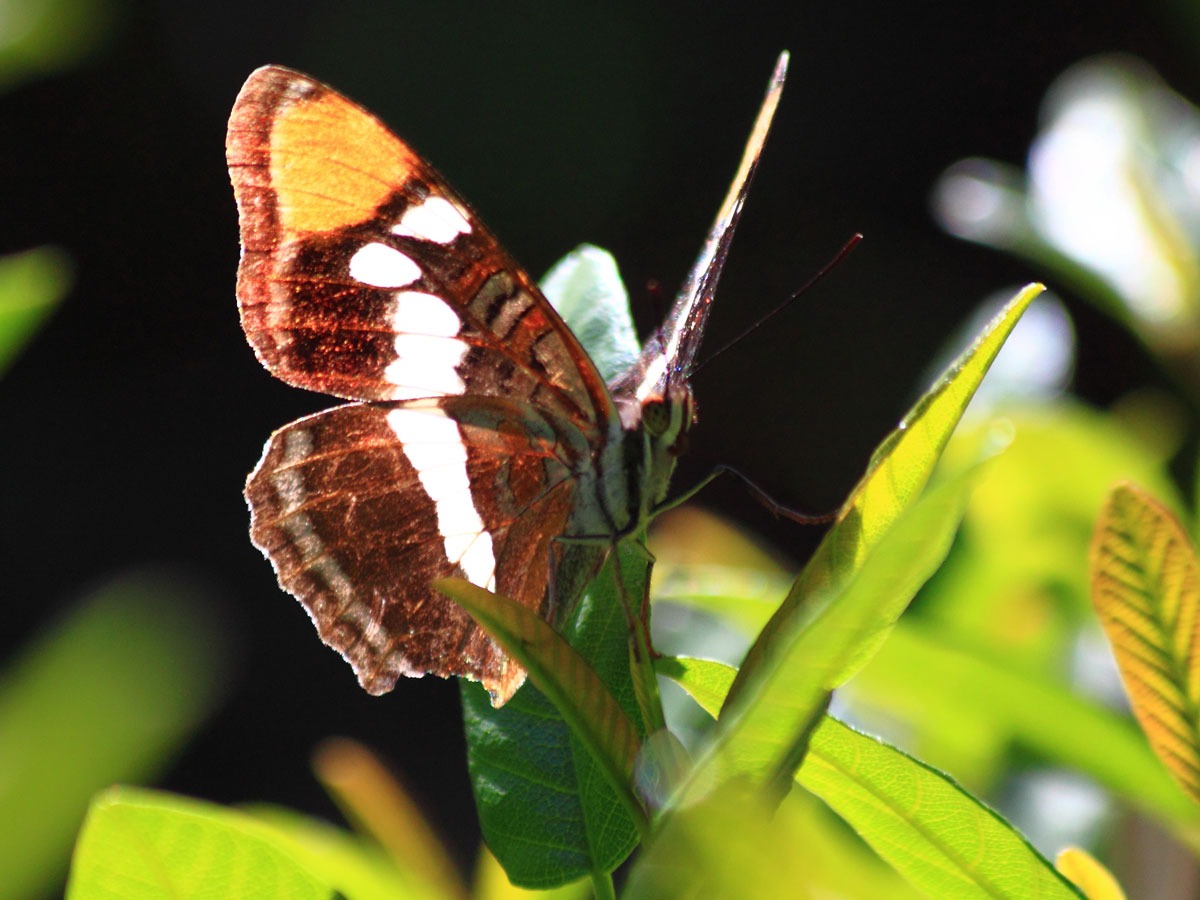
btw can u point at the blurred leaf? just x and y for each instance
(1107, 203)
(586, 289)
(108, 694)
(379, 806)
(355, 869)
(546, 809)
(939, 837)
(1017, 582)
(1095, 881)
(756, 730)
(938, 689)
(895, 477)
(31, 285)
(38, 37)
(492, 884)
(143, 845)
(1146, 589)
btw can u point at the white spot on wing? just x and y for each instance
(426, 366)
(434, 447)
(434, 220)
(421, 313)
(382, 266)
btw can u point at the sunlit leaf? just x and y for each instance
(31, 285)
(943, 840)
(379, 806)
(142, 845)
(935, 834)
(108, 693)
(895, 477)
(937, 688)
(562, 675)
(1146, 589)
(1096, 882)
(586, 289)
(356, 869)
(757, 730)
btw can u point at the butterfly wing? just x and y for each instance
(359, 507)
(364, 276)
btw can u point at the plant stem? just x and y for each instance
(602, 886)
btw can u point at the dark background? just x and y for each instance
(127, 427)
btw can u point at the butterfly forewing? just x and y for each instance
(364, 276)
(361, 506)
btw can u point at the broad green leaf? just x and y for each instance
(934, 833)
(31, 285)
(944, 841)
(1095, 881)
(937, 688)
(356, 869)
(379, 806)
(586, 289)
(109, 693)
(546, 810)
(895, 477)
(756, 731)
(143, 845)
(1146, 590)
(559, 672)
(939, 837)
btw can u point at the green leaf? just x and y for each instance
(142, 845)
(937, 688)
(943, 840)
(895, 477)
(586, 289)
(356, 869)
(108, 694)
(31, 285)
(757, 729)
(563, 676)
(547, 812)
(1146, 590)
(935, 834)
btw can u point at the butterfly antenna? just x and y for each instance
(795, 295)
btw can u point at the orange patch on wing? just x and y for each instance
(333, 164)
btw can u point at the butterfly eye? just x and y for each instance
(656, 417)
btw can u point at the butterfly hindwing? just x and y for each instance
(361, 506)
(364, 276)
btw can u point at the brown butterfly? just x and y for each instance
(480, 433)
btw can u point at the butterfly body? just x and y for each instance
(480, 434)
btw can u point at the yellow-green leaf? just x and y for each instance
(1096, 882)
(896, 475)
(1146, 589)
(378, 805)
(566, 679)
(940, 838)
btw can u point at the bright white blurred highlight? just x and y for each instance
(979, 200)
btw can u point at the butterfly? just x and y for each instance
(480, 439)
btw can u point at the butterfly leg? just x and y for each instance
(776, 508)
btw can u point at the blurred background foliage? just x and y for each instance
(146, 642)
